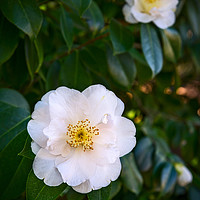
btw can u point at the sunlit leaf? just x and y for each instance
(151, 48)
(172, 44)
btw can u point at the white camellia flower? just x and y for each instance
(161, 12)
(79, 137)
(184, 175)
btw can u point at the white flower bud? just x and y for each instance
(184, 175)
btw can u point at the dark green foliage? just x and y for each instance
(76, 43)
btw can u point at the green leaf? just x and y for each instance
(34, 56)
(102, 194)
(122, 39)
(25, 14)
(13, 98)
(37, 190)
(13, 168)
(115, 188)
(151, 48)
(73, 195)
(52, 81)
(9, 39)
(168, 179)
(27, 151)
(96, 64)
(14, 115)
(94, 17)
(171, 44)
(138, 56)
(66, 26)
(73, 74)
(143, 154)
(130, 174)
(81, 5)
(122, 68)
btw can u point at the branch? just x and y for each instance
(78, 48)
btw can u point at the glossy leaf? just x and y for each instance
(122, 68)
(66, 25)
(27, 151)
(25, 14)
(143, 154)
(37, 190)
(122, 39)
(14, 115)
(172, 44)
(13, 168)
(72, 70)
(34, 56)
(94, 17)
(102, 194)
(13, 98)
(131, 176)
(168, 179)
(151, 48)
(9, 39)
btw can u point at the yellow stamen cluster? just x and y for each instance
(81, 134)
(149, 4)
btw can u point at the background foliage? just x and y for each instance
(76, 43)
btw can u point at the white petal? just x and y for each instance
(83, 187)
(169, 5)
(103, 153)
(120, 107)
(125, 132)
(105, 174)
(130, 2)
(106, 137)
(166, 20)
(128, 15)
(101, 101)
(40, 120)
(185, 176)
(68, 104)
(35, 147)
(44, 168)
(57, 137)
(140, 16)
(77, 169)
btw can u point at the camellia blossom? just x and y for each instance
(184, 175)
(161, 12)
(78, 138)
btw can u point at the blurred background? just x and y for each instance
(47, 44)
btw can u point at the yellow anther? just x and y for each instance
(81, 134)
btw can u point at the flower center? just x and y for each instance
(81, 134)
(147, 5)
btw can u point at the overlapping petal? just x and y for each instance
(162, 13)
(57, 123)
